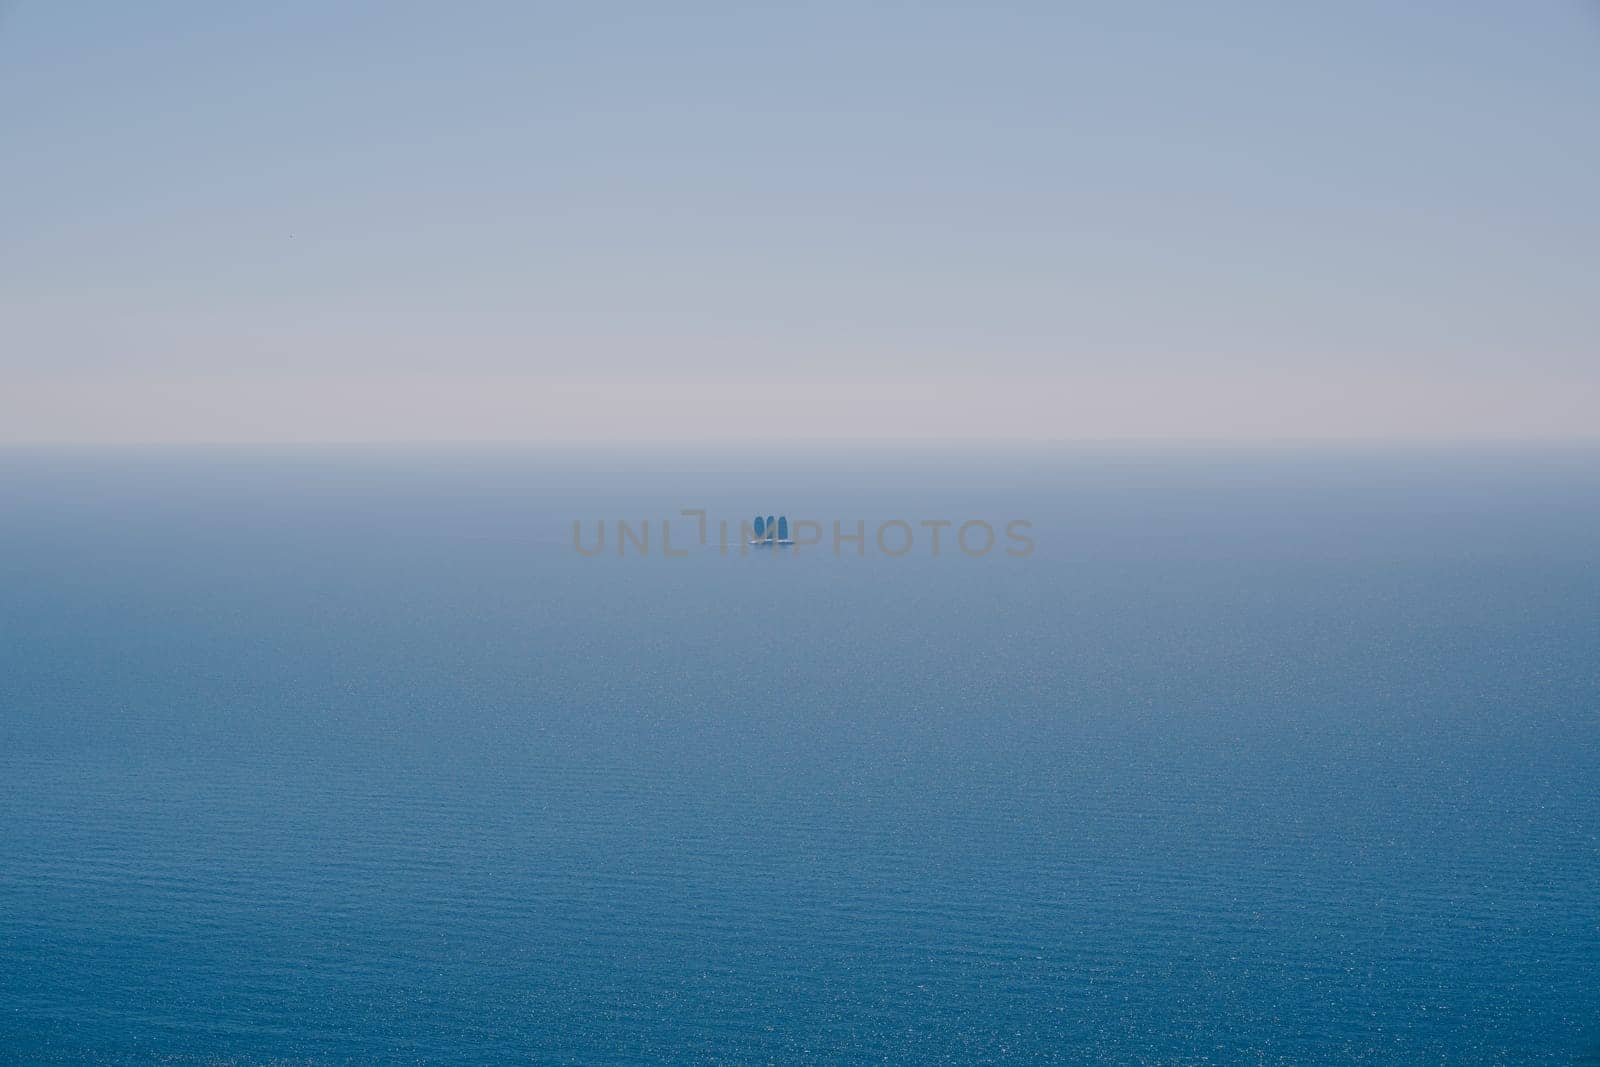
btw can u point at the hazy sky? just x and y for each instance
(331, 221)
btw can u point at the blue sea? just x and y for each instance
(340, 756)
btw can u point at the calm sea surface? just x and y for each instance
(348, 757)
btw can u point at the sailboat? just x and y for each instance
(770, 531)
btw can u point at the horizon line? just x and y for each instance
(1422, 441)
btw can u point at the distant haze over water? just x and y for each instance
(344, 755)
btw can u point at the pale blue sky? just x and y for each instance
(321, 221)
